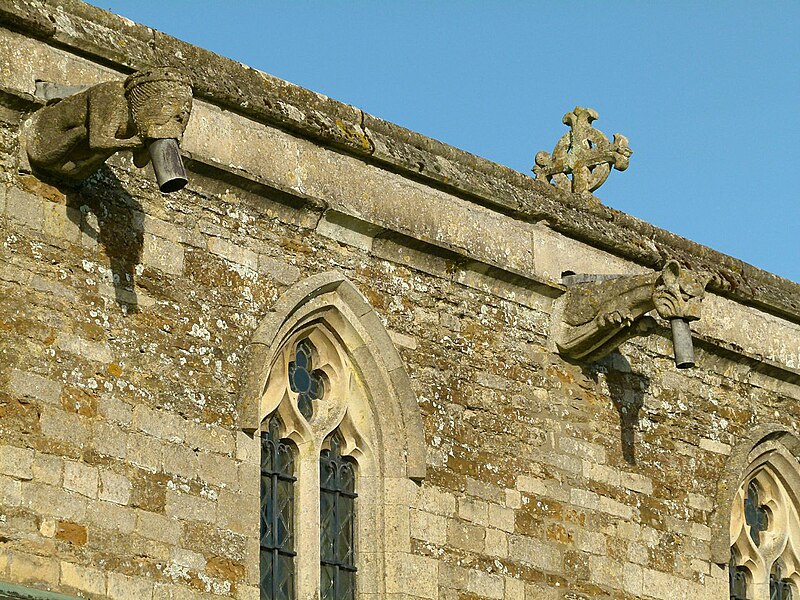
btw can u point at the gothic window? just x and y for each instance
(765, 533)
(277, 515)
(316, 391)
(323, 379)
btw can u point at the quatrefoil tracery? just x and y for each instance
(755, 514)
(304, 380)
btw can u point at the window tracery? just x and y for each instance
(765, 531)
(319, 407)
(364, 396)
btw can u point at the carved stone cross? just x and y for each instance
(584, 152)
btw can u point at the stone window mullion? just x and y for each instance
(307, 523)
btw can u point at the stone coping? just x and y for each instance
(117, 42)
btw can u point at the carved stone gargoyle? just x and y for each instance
(598, 315)
(72, 137)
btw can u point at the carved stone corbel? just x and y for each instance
(598, 313)
(72, 137)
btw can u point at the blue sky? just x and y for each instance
(708, 93)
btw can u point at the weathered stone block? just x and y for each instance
(161, 254)
(636, 482)
(179, 460)
(24, 208)
(81, 478)
(186, 506)
(10, 491)
(233, 252)
(210, 438)
(109, 440)
(154, 526)
(496, 543)
(145, 451)
(282, 272)
(435, 500)
(114, 487)
(582, 449)
(31, 385)
(466, 536)
(85, 579)
(486, 585)
(115, 410)
(123, 587)
(473, 510)
(96, 351)
(16, 462)
(535, 553)
(72, 533)
(159, 424)
(111, 516)
(428, 526)
(27, 568)
(65, 427)
(217, 470)
(47, 469)
(62, 224)
(502, 518)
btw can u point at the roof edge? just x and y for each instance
(127, 46)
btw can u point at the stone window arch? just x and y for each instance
(361, 397)
(764, 522)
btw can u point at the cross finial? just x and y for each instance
(584, 152)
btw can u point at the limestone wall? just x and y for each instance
(125, 316)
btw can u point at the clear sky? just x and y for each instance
(708, 93)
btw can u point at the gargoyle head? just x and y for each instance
(679, 292)
(160, 101)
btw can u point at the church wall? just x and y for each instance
(125, 314)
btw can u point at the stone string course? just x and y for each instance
(125, 314)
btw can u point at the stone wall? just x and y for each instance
(126, 312)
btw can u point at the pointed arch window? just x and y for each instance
(323, 363)
(317, 391)
(765, 532)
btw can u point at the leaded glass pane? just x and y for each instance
(327, 578)
(347, 584)
(277, 515)
(284, 584)
(344, 547)
(337, 524)
(266, 569)
(266, 512)
(285, 508)
(327, 518)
